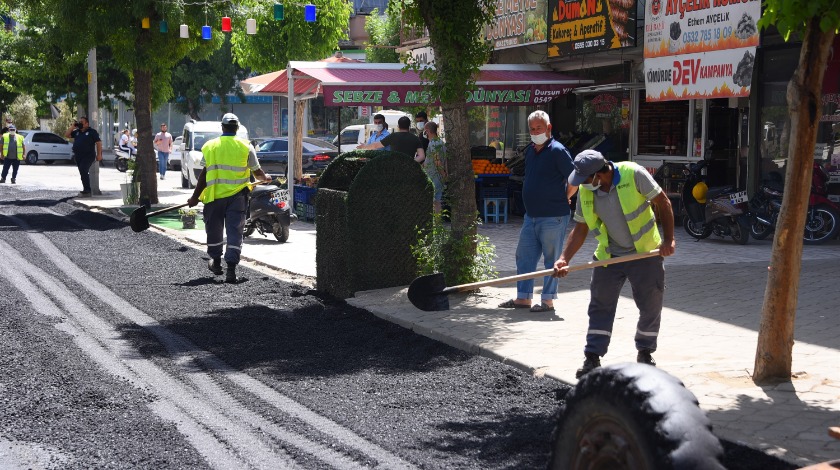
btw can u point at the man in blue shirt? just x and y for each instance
(546, 194)
(380, 130)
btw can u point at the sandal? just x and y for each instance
(542, 307)
(512, 304)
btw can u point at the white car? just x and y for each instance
(174, 162)
(195, 134)
(46, 146)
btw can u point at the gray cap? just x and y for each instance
(230, 118)
(587, 163)
(12, 127)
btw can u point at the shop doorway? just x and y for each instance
(723, 142)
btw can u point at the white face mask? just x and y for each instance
(420, 126)
(539, 139)
(378, 127)
(592, 186)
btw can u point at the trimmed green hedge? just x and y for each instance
(369, 206)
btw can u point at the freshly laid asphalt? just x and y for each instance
(708, 338)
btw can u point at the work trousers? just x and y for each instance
(84, 164)
(226, 216)
(647, 280)
(539, 237)
(10, 162)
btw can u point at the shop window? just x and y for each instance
(663, 127)
(602, 123)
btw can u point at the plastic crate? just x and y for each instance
(300, 209)
(305, 194)
(492, 192)
(310, 212)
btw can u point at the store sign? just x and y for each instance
(590, 26)
(362, 95)
(517, 23)
(831, 107)
(700, 48)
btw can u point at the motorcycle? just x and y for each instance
(269, 211)
(822, 221)
(721, 210)
(122, 157)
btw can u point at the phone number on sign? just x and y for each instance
(590, 43)
(707, 35)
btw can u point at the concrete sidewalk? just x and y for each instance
(708, 338)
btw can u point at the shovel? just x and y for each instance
(140, 219)
(429, 292)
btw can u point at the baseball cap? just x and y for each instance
(587, 163)
(230, 118)
(12, 127)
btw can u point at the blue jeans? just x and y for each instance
(540, 236)
(163, 159)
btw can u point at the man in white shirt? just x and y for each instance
(163, 145)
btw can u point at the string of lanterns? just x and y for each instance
(309, 14)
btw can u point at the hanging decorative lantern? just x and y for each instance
(251, 26)
(278, 12)
(225, 24)
(185, 31)
(206, 32)
(309, 13)
(146, 23)
(164, 28)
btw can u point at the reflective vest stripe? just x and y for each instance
(227, 167)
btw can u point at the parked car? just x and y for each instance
(174, 162)
(274, 153)
(46, 146)
(195, 134)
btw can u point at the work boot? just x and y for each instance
(644, 357)
(13, 181)
(230, 275)
(215, 266)
(592, 361)
(2, 180)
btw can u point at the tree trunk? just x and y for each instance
(775, 337)
(145, 150)
(300, 107)
(461, 181)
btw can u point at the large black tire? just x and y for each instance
(248, 231)
(760, 230)
(692, 229)
(31, 158)
(740, 230)
(632, 417)
(121, 164)
(281, 232)
(822, 226)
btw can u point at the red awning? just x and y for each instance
(364, 84)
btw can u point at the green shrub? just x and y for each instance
(438, 252)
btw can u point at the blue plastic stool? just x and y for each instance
(495, 208)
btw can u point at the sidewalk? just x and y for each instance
(715, 290)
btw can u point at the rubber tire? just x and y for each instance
(185, 183)
(742, 226)
(637, 404)
(31, 158)
(691, 229)
(248, 231)
(828, 215)
(281, 234)
(758, 230)
(121, 164)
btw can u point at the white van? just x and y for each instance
(355, 135)
(195, 134)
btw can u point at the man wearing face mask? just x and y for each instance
(546, 195)
(380, 130)
(420, 120)
(615, 204)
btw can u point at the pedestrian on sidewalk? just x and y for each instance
(222, 186)
(163, 145)
(547, 197)
(12, 151)
(401, 141)
(614, 203)
(87, 148)
(380, 130)
(435, 164)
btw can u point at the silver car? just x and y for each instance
(46, 146)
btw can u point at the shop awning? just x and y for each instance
(364, 84)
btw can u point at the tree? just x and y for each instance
(23, 111)
(456, 36)
(384, 33)
(196, 81)
(817, 21)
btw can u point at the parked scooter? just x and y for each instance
(722, 210)
(122, 157)
(822, 221)
(269, 211)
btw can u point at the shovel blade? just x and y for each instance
(425, 293)
(139, 221)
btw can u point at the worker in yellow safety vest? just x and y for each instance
(615, 203)
(12, 151)
(223, 187)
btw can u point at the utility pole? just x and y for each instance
(93, 117)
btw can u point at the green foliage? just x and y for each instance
(23, 112)
(461, 260)
(278, 42)
(195, 81)
(792, 16)
(384, 30)
(65, 118)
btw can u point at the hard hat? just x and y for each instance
(699, 192)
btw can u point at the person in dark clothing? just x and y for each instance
(87, 148)
(420, 120)
(401, 141)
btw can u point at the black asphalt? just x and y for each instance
(433, 406)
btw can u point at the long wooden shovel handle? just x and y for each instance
(548, 272)
(170, 209)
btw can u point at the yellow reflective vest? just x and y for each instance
(18, 143)
(637, 212)
(226, 162)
